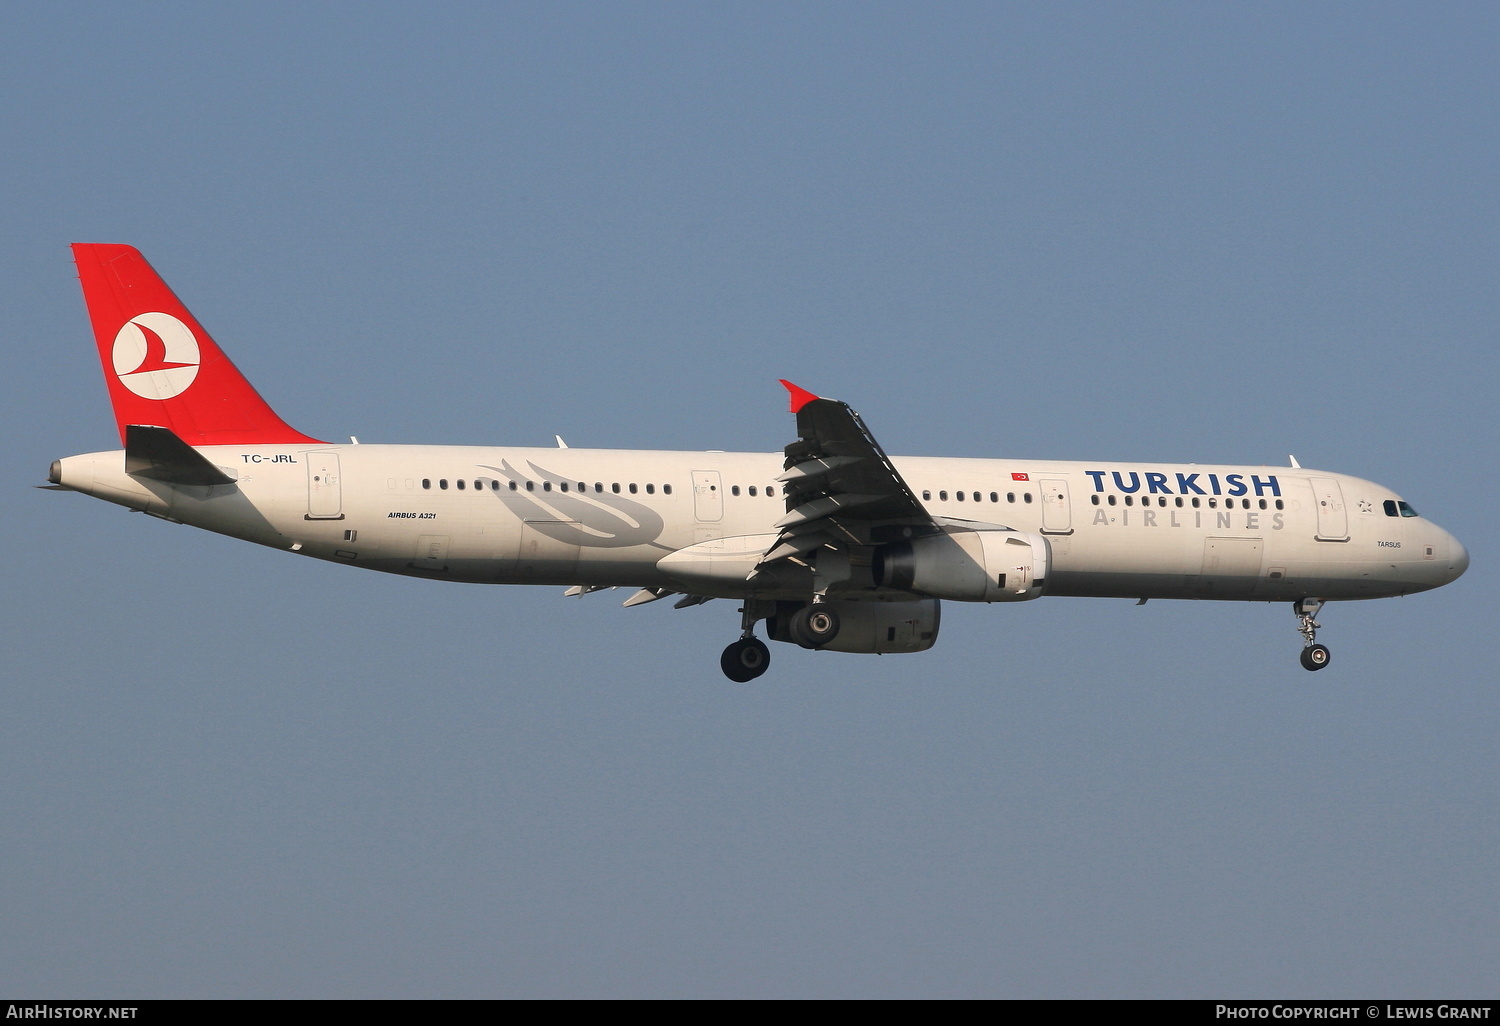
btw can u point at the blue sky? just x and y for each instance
(1206, 233)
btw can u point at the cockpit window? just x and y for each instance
(1398, 508)
(1390, 508)
(1406, 510)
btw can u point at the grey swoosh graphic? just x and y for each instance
(603, 520)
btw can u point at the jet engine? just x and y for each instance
(863, 626)
(967, 565)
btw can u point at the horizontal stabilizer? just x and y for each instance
(157, 453)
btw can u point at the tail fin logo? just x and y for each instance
(156, 356)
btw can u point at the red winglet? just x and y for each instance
(800, 396)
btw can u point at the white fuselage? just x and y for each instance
(607, 517)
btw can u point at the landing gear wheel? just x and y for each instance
(745, 660)
(1315, 657)
(814, 626)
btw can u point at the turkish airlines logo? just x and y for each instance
(156, 356)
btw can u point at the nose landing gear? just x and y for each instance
(1314, 655)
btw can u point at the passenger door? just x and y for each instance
(1057, 514)
(1333, 519)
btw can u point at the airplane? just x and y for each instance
(831, 543)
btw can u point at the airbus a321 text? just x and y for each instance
(833, 544)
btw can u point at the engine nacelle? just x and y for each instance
(871, 626)
(967, 565)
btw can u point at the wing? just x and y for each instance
(842, 492)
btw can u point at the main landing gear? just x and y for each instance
(748, 657)
(1314, 655)
(812, 626)
(745, 660)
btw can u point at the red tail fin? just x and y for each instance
(161, 367)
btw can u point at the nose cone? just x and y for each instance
(1458, 559)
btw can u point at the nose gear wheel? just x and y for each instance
(1314, 655)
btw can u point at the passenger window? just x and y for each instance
(651, 489)
(615, 488)
(1010, 496)
(443, 483)
(1262, 503)
(513, 486)
(1196, 502)
(926, 495)
(770, 491)
(752, 490)
(667, 489)
(427, 483)
(598, 486)
(1130, 500)
(1278, 504)
(1111, 500)
(632, 488)
(1094, 499)
(460, 483)
(1025, 496)
(546, 486)
(734, 489)
(942, 496)
(960, 496)
(531, 486)
(994, 496)
(1179, 502)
